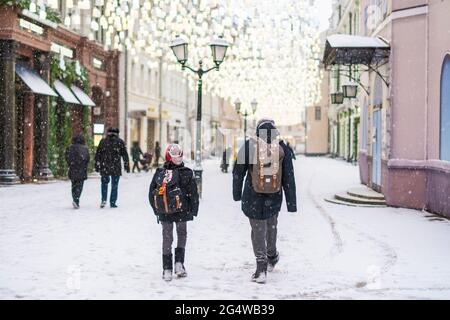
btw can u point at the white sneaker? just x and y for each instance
(167, 275)
(179, 270)
(259, 277)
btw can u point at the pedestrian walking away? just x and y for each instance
(157, 154)
(110, 152)
(174, 198)
(136, 153)
(77, 157)
(265, 163)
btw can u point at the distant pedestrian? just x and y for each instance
(291, 150)
(136, 153)
(174, 199)
(225, 160)
(108, 162)
(266, 165)
(157, 154)
(77, 157)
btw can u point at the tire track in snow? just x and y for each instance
(338, 244)
(390, 252)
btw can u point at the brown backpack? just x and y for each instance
(267, 166)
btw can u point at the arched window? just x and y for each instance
(445, 110)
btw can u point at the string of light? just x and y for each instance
(274, 45)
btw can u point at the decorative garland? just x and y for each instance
(60, 119)
(52, 15)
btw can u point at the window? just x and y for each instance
(445, 111)
(318, 113)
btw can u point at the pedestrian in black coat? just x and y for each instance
(77, 157)
(157, 154)
(262, 209)
(108, 163)
(174, 167)
(136, 153)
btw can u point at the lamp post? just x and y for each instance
(245, 114)
(180, 49)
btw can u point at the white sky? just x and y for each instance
(324, 8)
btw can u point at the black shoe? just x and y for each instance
(261, 272)
(103, 204)
(272, 261)
(113, 205)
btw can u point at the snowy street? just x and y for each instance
(49, 250)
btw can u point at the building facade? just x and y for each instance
(344, 117)
(36, 54)
(404, 142)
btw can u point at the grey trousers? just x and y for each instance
(167, 234)
(264, 238)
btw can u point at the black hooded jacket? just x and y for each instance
(187, 184)
(108, 156)
(257, 205)
(77, 157)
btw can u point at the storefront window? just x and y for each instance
(445, 110)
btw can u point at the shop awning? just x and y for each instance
(82, 97)
(65, 92)
(352, 50)
(34, 81)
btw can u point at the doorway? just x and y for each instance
(376, 150)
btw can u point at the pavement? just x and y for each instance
(51, 251)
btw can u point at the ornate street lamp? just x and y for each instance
(337, 98)
(180, 49)
(245, 114)
(350, 90)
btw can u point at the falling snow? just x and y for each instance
(327, 251)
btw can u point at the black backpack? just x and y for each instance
(171, 198)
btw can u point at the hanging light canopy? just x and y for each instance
(179, 47)
(350, 91)
(219, 49)
(337, 98)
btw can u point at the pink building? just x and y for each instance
(405, 118)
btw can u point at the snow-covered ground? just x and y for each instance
(49, 250)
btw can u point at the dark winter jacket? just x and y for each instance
(107, 157)
(136, 153)
(256, 205)
(77, 157)
(291, 151)
(187, 184)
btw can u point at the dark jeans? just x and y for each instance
(136, 165)
(167, 233)
(114, 188)
(77, 188)
(264, 238)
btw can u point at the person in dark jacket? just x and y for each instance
(157, 154)
(262, 208)
(77, 157)
(136, 153)
(188, 187)
(108, 163)
(291, 150)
